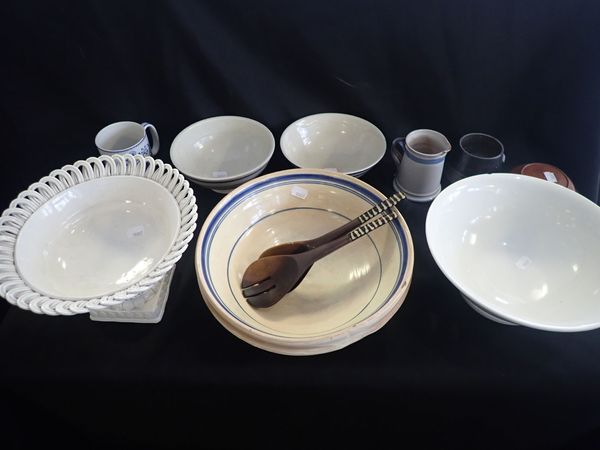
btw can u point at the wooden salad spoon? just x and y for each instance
(292, 248)
(268, 279)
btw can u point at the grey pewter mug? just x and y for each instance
(480, 153)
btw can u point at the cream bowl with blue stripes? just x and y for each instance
(346, 296)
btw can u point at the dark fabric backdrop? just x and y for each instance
(438, 374)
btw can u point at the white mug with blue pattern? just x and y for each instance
(126, 137)
(419, 158)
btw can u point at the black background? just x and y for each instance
(437, 374)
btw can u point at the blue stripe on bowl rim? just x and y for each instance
(283, 180)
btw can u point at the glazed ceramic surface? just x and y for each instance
(127, 138)
(97, 237)
(344, 297)
(521, 249)
(345, 143)
(419, 160)
(222, 151)
(545, 172)
(94, 234)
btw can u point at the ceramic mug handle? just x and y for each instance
(154, 134)
(397, 149)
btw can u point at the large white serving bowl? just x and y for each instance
(223, 152)
(94, 234)
(520, 250)
(345, 296)
(341, 142)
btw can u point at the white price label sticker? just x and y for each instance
(135, 231)
(523, 262)
(550, 177)
(299, 192)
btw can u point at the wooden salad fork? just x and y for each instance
(291, 248)
(268, 279)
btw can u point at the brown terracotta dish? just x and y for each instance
(545, 172)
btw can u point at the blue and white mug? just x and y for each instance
(126, 137)
(419, 158)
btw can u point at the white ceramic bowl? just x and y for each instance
(345, 296)
(221, 153)
(342, 142)
(520, 250)
(94, 234)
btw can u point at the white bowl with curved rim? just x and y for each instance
(520, 250)
(94, 234)
(222, 152)
(346, 296)
(341, 142)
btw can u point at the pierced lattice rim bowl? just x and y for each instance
(94, 234)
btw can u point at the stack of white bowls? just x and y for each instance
(223, 152)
